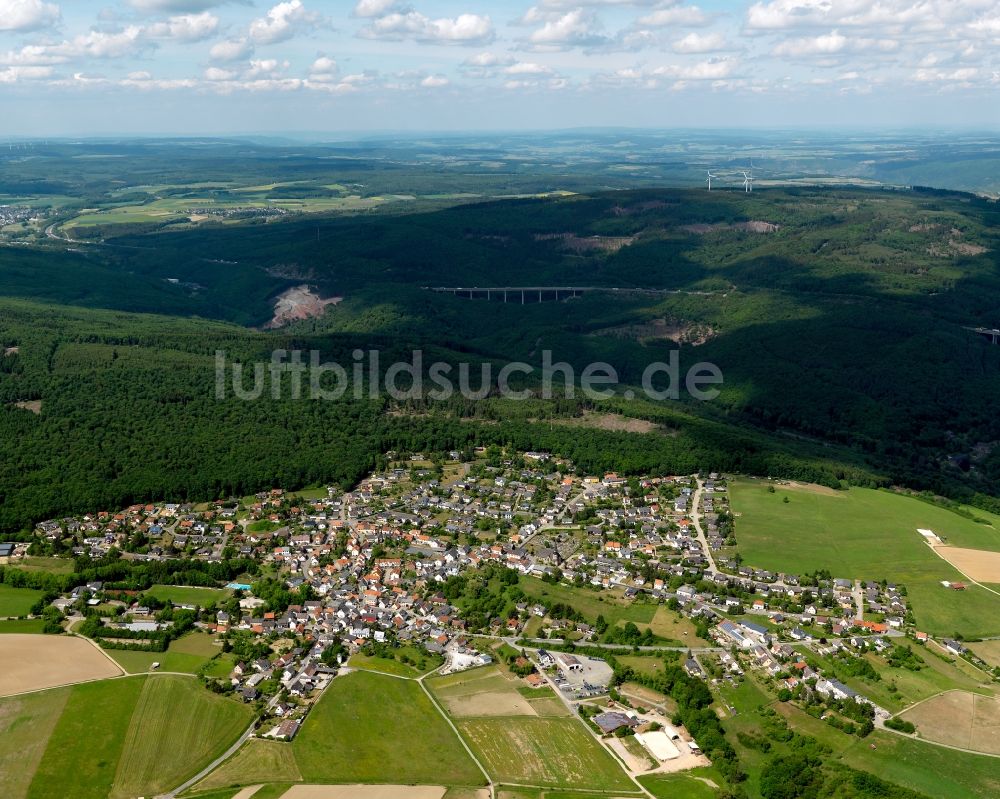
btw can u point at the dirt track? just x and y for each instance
(35, 662)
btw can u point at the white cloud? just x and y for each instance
(231, 50)
(826, 44)
(527, 68)
(698, 43)
(676, 16)
(576, 28)
(16, 74)
(377, 8)
(434, 82)
(179, 6)
(102, 44)
(282, 22)
(27, 15)
(465, 29)
(186, 28)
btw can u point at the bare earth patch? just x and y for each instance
(574, 243)
(959, 718)
(980, 565)
(36, 662)
(609, 421)
(35, 406)
(810, 488)
(663, 329)
(10, 351)
(299, 302)
(753, 226)
(365, 792)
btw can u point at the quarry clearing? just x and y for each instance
(299, 302)
(36, 662)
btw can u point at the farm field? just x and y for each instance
(112, 738)
(553, 752)
(26, 724)
(17, 601)
(488, 691)
(961, 719)
(187, 595)
(869, 535)
(36, 662)
(980, 565)
(372, 728)
(256, 762)
(176, 725)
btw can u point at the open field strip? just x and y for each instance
(366, 792)
(37, 662)
(869, 535)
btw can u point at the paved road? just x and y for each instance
(696, 518)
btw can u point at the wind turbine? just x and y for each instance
(710, 176)
(748, 181)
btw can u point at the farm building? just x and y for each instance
(658, 744)
(609, 722)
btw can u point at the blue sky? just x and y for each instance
(226, 66)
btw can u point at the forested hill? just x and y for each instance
(840, 319)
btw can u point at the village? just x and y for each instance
(381, 572)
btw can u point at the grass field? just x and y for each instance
(186, 655)
(113, 738)
(396, 667)
(21, 626)
(612, 605)
(176, 724)
(553, 752)
(869, 535)
(82, 754)
(671, 625)
(988, 651)
(17, 601)
(256, 762)
(694, 784)
(40, 564)
(374, 728)
(26, 724)
(187, 595)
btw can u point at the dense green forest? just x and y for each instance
(839, 317)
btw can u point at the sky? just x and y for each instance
(205, 67)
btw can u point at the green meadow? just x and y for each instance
(370, 727)
(17, 601)
(113, 738)
(869, 535)
(187, 595)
